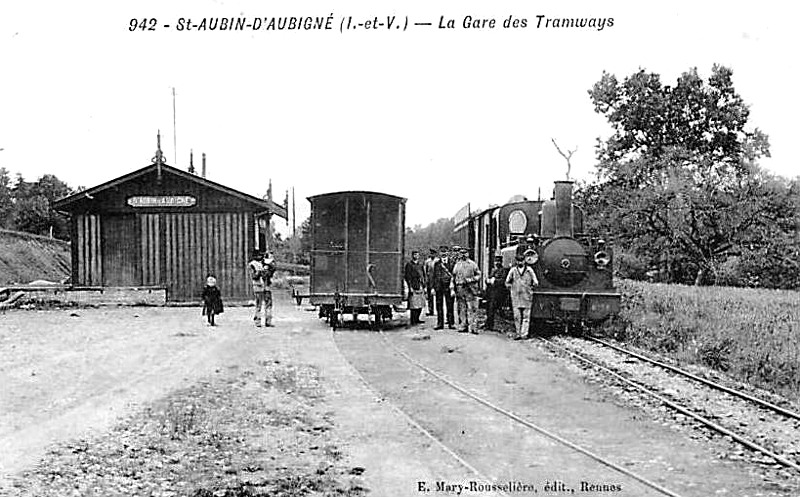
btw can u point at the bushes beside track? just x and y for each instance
(753, 335)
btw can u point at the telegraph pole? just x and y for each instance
(294, 219)
(174, 129)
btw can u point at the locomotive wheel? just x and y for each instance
(575, 328)
(538, 327)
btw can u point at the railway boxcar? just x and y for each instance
(574, 268)
(357, 254)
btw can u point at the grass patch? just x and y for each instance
(751, 334)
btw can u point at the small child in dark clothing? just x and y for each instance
(212, 300)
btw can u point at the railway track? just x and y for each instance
(519, 420)
(737, 393)
(692, 412)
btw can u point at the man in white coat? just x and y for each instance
(521, 281)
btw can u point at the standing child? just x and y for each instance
(212, 300)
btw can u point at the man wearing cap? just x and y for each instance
(427, 272)
(442, 276)
(495, 291)
(415, 279)
(466, 276)
(453, 258)
(520, 282)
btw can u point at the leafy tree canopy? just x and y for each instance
(26, 206)
(678, 180)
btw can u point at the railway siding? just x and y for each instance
(525, 379)
(764, 427)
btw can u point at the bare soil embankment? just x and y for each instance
(25, 257)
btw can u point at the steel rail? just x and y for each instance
(418, 426)
(737, 393)
(721, 429)
(528, 424)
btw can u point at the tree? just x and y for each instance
(32, 206)
(567, 156)
(306, 241)
(678, 180)
(6, 201)
(432, 236)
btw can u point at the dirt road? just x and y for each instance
(79, 375)
(151, 401)
(68, 373)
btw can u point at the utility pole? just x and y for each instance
(294, 219)
(174, 130)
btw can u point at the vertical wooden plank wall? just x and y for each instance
(88, 261)
(150, 248)
(196, 245)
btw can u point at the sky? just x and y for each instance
(440, 116)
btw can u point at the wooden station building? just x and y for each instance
(163, 227)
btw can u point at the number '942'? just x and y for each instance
(143, 24)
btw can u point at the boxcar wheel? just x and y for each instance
(334, 320)
(377, 324)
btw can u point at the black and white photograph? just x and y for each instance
(415, 249)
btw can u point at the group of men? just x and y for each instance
(449, 281)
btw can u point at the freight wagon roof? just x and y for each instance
(66, 203)
(356, 192)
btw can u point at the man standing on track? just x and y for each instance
(442, 276)
(521, 281)
(495, 291)
(466, 276)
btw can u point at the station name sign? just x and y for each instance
(162, 201)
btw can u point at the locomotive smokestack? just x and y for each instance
(563, 198)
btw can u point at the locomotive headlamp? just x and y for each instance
(601, 259)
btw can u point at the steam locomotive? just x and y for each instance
(574, 269)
